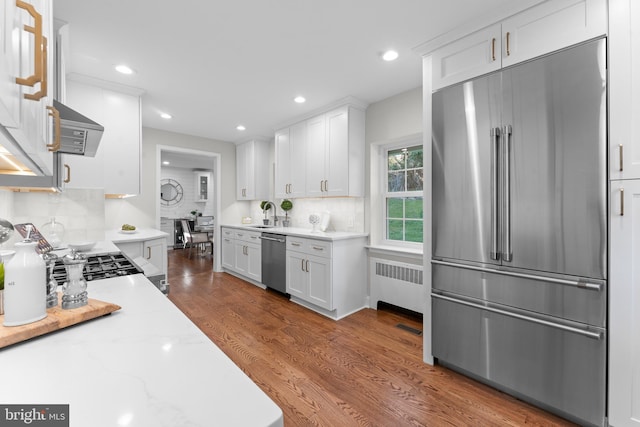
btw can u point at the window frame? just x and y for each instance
(385, 194)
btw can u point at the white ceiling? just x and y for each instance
(215, 64)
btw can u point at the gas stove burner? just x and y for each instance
(100, 267)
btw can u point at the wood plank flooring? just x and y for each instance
(360, 371)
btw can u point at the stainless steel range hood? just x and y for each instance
(78, 134)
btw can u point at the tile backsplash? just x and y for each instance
(81, 212)
(347, 213)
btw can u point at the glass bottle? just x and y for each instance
(53, 231)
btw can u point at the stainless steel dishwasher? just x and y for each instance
(274, 261)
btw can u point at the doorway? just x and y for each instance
(184, 168)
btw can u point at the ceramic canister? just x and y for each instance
(25, 286)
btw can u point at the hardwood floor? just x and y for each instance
(360, 371)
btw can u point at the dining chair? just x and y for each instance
(192, 238)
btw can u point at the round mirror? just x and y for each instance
(170, 191)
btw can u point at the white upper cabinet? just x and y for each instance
(550, 26)
(290, 152)
(116, 166)
(335, 153)
(252, 172)
(624, 89)
(26, 90)
(474, 55)
(541, 29)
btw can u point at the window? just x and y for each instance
(403, 219)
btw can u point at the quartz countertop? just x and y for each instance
(145, 365)
(140, 235)
(300, 232)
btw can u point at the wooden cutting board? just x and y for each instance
(56, 319)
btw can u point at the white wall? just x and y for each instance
(187, 180)
(394, 119)
(141, 210)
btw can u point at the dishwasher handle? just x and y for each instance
(273, 239)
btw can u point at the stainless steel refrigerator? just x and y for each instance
(519, 289)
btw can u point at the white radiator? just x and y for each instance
(396, 283)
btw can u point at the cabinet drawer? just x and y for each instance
(228, 233)
(309, 246)
(247, 236)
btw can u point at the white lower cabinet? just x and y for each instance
(153, 251)
(242, 253)
(327, 276)
(624, 304)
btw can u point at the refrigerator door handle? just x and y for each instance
(566, 328)
(495, 149)
(506, 194)
(580, 283)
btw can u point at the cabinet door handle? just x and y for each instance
(149, 253)
(621, 157)
(38, 49)
(43, 83)
(68, 169)
(508, 43)
(56, 120)
(307, 265)
(493, 49)
(302, 264)
(36, 30)
(622, 202)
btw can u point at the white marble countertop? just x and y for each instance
(140, 235)
(144, 365)
(300, 232)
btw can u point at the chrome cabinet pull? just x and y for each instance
(578, 284)
(621, 157)
(588, 334)
(508, 40)
(495, 149)
(318, 248)
(295, 244)
(506, 195)
(68, 169)
(302, 264)
(149, 253)
(307, 265)
(493, 49)
(622, 202)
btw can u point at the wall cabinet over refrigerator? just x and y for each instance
(116, 166)
(252, 171)
(541, 29)
(26, 89)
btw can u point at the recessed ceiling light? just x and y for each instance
(390, 55)
(165, 116)
(240, 127)
(166, 162)
(299, 99)
(124, 69)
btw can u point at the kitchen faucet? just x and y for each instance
(275, 214)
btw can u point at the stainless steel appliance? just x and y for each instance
(99, 267)
(274, 261)
(519, 289)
